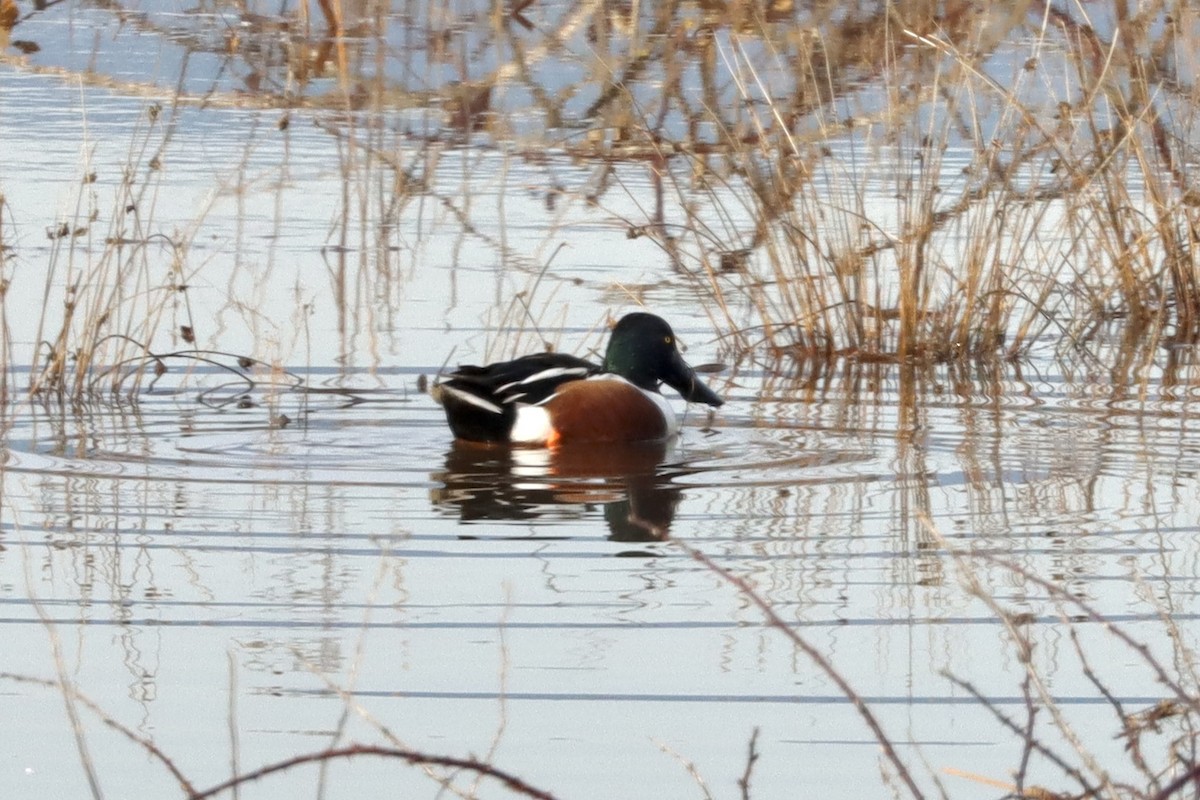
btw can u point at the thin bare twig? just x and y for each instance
(414, 757)
(103, 716)
(751, 758)
(817, 657)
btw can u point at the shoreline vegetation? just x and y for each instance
(904, 183)
(882, 185)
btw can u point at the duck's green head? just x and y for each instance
(643, 351)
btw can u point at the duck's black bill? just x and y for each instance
(682, 379)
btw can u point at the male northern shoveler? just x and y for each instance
(551, 399)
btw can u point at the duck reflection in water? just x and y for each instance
(567, 482)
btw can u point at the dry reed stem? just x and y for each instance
(346, 692)
(1027, 793)
(751, 759)
(1034, 691)
(69, 693)
(413, 757)
(502, 690)
(81, 698)
(816, 656)
(1186, 701)
(689, 766)
(232, 718)
(825, 276)
(351, 704)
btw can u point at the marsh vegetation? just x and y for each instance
(939, 256)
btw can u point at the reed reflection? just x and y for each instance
(624, 483)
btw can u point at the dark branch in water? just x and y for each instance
(411, 756)
(816, 656)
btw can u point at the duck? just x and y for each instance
(553, 399)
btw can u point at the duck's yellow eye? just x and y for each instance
(667, 339)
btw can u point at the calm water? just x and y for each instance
(198, 570)
(237, 589)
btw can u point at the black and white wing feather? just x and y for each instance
(481, 402)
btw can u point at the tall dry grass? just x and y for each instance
(899, 181)
(924, 184)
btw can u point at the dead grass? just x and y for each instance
(1160, 741)
(931, 189)
(882, 184)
